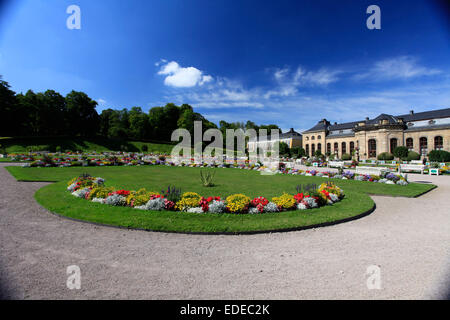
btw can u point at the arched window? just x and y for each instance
(319, 147)
(336, 147)
(352, 147)
(313, 149)
(410, 143)
(344, 148)
(307, 149)
(313, 138)
(438, 143)
(393, 144)
(423, 144)
(372, 148)
(328, 147)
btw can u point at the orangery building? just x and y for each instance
(420, 132)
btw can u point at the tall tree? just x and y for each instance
(8, 103)
(82, 114)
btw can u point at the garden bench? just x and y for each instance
(433, 171)
(371, 170)
(412, 167)
(336, 164)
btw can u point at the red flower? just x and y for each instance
(259, 201)
(204, 203)
(169, 205)
(326, 193)
(124, 193)
(299, 197)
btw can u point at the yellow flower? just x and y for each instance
(238, 202)
(188, 200)
(285, 201)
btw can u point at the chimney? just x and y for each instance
(411, 112)
(367, 118)
(324, 121)
(335, 123)
(292, 130)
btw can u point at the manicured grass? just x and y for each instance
(227, 181)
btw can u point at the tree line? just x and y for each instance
(51, 114)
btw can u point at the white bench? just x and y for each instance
(371, 170)
(412, 167)
(336, 164)
(433, 171)
(416, 162)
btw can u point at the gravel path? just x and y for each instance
(408, 238)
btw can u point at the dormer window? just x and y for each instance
(431, 122)
(410, 124)
(341, 131)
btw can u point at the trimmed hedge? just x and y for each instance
(439, 156)
(385, 156)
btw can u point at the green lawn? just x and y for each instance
(228, 181)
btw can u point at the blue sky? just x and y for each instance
(286, 62)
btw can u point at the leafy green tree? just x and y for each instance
(139, 124)
(8, 103)
(284, 149)
(84, 119)
(401, 152)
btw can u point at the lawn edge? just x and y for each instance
(314, 226)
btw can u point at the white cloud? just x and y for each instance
(403, 67)
(101, 101)
(179, 77)
(322, 77)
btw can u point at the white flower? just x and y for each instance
(81, 193)
(98, 200)
(116, 200)
(253, 210)
(157, 204)
(195, 210)
(311, 202)
(334, 197)
(217, 206)
(301, 206)
(271, 207)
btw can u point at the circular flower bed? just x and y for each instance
(94, 189)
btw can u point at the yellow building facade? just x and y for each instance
(420, 132)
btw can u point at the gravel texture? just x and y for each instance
(408, 238)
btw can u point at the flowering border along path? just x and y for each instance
(94, 189)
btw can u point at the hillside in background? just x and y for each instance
(22, 145)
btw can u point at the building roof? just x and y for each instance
(324, 125)
(412, 116)
(290, 134)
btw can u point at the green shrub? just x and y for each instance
(439, 156)
(346, 156)
(401, 152)
(207, 178)
(144, 148)
(413, 156)
(385, 156)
